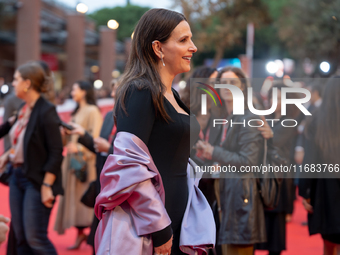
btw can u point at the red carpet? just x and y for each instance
(298, 240)
(61, 242)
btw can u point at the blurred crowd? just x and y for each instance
(67, 159)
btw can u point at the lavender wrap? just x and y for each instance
(130, 205)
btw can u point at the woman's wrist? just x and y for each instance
(47, 185)
(161, 237)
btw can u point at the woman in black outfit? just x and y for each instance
(322, 146)
(284, 141)
(36, 156)
(150, 109)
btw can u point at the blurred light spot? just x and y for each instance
(325, 67)
(182, 84)
(4, 89)
(113, 24)
(98, 84)
(115, 74)
(82, 8)
(272, 67)
(94, 69)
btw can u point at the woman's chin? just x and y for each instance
(186, 69)
(18, 95)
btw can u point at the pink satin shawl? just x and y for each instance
(130, 205)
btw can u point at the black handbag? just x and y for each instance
(89, 197)
(78, 166)
(269, 185)
(6, 175)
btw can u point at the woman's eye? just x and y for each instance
(183, 40)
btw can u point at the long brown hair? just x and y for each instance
(244, 81)
(328, 122)
(141, 69)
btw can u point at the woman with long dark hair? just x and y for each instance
(36, 156)
(71, 211)
(322, 146)
(145, 190)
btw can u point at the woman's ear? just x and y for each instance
(28, 84)
(156, 46)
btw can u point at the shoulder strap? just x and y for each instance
(265, 152)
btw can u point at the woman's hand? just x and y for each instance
(164, 249)
(47, 197)
(101, 145)
(266, 130)
(3, 228)
(78, 129)
(72, 148)
(3, 160)
(205, 148)
(307, 205)
(11, 120)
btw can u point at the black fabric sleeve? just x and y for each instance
(161, 237)
(87, 141)
(140, 114)
(4, 129)
(54, 143)
(138, 120)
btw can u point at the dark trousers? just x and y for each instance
(29, 217)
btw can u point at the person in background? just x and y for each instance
(71, 212)
(103, 146)
(241, 208)
(315, 102)
(36, 156)
(12, 103)
(322, 146)
(284, 141)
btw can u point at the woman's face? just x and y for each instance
(178, 49)
(77, 93)
(230, 78)
(20, 85)
(213, 75)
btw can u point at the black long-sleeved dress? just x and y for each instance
(169, 146)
